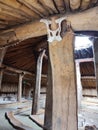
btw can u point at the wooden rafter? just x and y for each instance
(88, 21)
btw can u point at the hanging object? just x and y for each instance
(53, 34)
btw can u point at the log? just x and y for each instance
(67, 5)
(96, 61)
(36, 99)
(2, 54)
(60, 6)
(75, 4)
(89, 21)
(49, 99)
(21, 7)
(85, 4)
(63, 101)
(19, 95)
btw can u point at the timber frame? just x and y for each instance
(26, 52)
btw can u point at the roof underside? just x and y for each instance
(14, 13)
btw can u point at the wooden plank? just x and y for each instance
(35, 29)
(36, 99)
(64, 102)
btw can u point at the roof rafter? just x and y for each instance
(83, 21)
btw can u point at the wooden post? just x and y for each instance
(36, 99)
(63, 82)
(79, 85)
(1, 76)
(19, 95)
(49, 99)
(96, 61)
(2, 54)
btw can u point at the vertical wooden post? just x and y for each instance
(19, 95)
(63, 82)
(2, 54)
(36, 99)
(96, 61)
(1, 76)
(79, 85)
(49, 100)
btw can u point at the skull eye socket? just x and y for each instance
(51, 34)
(57, 33)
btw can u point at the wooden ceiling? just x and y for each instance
(19, 23)
(17, 12)
(24, 56)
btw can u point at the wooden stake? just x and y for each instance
(38, 84)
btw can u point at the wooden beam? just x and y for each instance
(96, 61)
(1, 76)
(16, 70)
(79, 85)
(20, 71)
(89, 21)
(36, 99)
(88, 77)
(19, 95)
(49, 99)
(64, 106)
(85, 60)
(75, 4)
(2, 54)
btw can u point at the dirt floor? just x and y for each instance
(88, 115)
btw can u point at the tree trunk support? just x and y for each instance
(79, 85)
(62, 113)
(19, 95)
(2, 54)
(96, 62)
(36, 99)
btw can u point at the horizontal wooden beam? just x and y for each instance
(16, 70)
(19, 71)
(88, 77)
(84, 60)
(83, 21)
